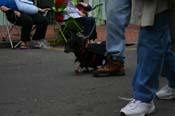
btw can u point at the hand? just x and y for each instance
(82, 14)
(4, 8)
(44, 10)
(17, 13)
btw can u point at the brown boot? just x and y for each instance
(112, 68)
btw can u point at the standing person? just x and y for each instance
(117, 18)
(26, 21)
(154, 47)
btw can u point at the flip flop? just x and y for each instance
(23, 46)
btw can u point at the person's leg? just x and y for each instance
(41, 23)
(150, 52)
(170, 66)
(24, 21)
(167, 92)
(117, 18)
(89, 27)
(26, 24)
(152, 43)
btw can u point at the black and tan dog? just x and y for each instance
(89, 55)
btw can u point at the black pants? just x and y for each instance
(89, 26)
(26, 22)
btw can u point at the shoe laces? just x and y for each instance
(133, 102)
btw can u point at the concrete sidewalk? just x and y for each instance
(40, 82)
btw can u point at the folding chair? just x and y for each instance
(64, 29)
(63, 25)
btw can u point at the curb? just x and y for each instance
(6, 44)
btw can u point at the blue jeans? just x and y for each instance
(152, 50)
(117, 17)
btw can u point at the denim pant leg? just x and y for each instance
(169, 67)
(152, 42)
(117, 17)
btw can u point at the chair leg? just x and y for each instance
(61, 31)
(17, 44)
(9, 36)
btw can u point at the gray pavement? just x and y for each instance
(43, 83)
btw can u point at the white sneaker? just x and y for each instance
(166, 93)
(44, 44)
(35, 44)
(137, 108)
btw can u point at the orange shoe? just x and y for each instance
(112, 68)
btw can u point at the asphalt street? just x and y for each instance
(40, 82)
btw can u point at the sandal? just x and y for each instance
(24, 45)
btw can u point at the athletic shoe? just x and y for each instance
(44, 44)
(137, 108)
(35, 44)
(166, 93)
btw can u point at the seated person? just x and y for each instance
(79, 13)
(26, 21)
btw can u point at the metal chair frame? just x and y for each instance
(9, 27)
